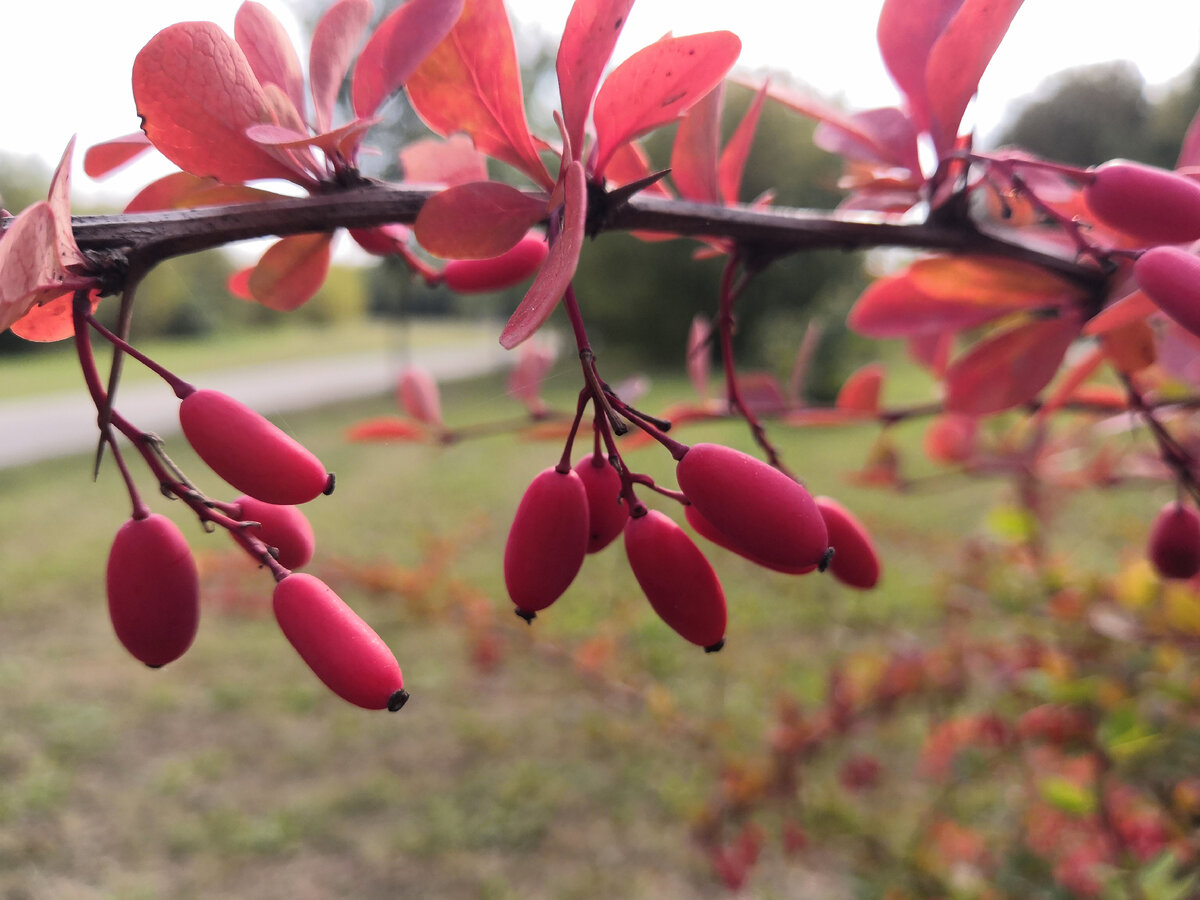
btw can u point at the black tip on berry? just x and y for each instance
(151, 666)
(330, 484)
(713, 648)
(397, 700)
(825, 560)
(526, 615)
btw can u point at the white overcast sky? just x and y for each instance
(66, 63)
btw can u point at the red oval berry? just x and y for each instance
(249, 452)
(341, 649)
(763, 513)
(472, 276)
(706, 530)
(855, 561)
(285, 528)
(1171, 278)
(607, 512)
(677, 579)
(547, 542)
(1145, 202)
(153, 590)
(1174, 547)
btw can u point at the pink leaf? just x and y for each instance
(333, 44)
(587, 44)
(559, 268)
(60, 202)
(476, 221)
(447, 162)
(1189, 152)
(1009, 368)
(906, 32)
(418, 394)
(882, 136)
(737, 151)
(30, 269)
(525, 382)
(860, 392)
(471, 83)
(108, 156)
(958, 59)
(383, 240)
(269, 51)
(51, 321)
(291, 271)
(699, 349)
(239, 284)
(657, 84)
(398, 46)
(197, 95)
(179, 190)
(696, 148)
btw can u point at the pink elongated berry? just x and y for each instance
(153, 590)
(706, 530)
(763, 513)
(1174, 546)
(1147, 203)
(607, 512)
(341, 649)
(249, 452)
(474, 276)
(855, 561)
(547, 541)
(677, 579)
(1171, 278)
(285, 528)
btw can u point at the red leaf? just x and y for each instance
(30, 269)
(197, 95)
(1009, 368)
(657, 84)
(398, 46)
(59, 199)
(418, 394)
(896, 307)
(906, 32)
(696, 148)
(989, 280)
(383, 240)
(476, 221)
(860, 392)
(291, 271)
(387, 428)
(51, 321)
(447, 162)
(958, 59)
(737, 151)
(333, 44)
(269, 51)
(587, 44)
(107, 156)
(559, 268)
(883, 137)
(471, 83)
(1133, 307)
(179, 190)
(239, 283)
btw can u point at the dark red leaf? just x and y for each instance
(1010, 368)
(291, 271)
(471, 83)
(558, 269)
(398, 46)
(696, 149)
(108, 156)
(197, 95)
(587, 44)
(334, 41)
(476, 221)
(656, 85)
(269, 51)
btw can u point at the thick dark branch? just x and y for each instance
(151, 237)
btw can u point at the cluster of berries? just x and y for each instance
(731, 498)
(152, 580)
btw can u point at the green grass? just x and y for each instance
(233, 773)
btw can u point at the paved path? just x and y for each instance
(37, 428)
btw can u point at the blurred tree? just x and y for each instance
(23, 180)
